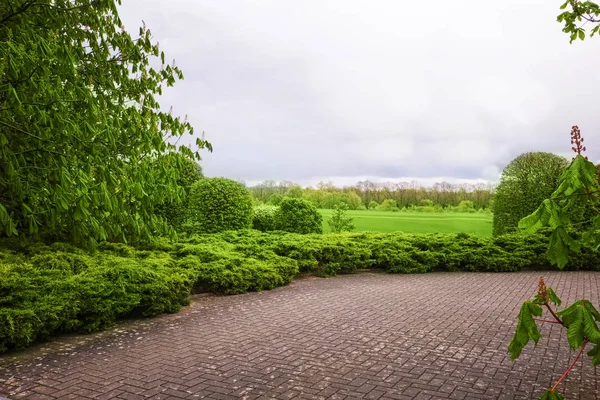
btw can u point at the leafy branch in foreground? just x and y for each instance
(579, 188)
(580, 319)
(577, 15)
(79, 119)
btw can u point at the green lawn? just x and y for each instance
(415, 222)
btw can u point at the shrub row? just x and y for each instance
(49, 290)
(326, 255)
(58, 289)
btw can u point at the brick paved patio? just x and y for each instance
(371, 336)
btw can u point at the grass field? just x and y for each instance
(415, 222)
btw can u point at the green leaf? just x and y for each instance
(551, 395)
(553, 297)
(580, 320)
(581, 34)
(595, 354)
(526, 329)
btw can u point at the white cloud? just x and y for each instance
(347, 89)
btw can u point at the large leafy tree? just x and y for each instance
(78, 115)
(525, 182)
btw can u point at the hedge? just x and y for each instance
(48, 290)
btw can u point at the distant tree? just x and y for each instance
(340, 221)
(388, 205)
(466, 206)
(525, 183)
(373, 205)
(294, 192)
(275, 199)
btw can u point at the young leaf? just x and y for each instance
(526, 329)
(595, 354)
(551, 395)
(553, 297)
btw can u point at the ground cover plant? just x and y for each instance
(47, 290)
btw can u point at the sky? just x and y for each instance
(343, 91)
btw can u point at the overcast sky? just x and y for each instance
(388, 90)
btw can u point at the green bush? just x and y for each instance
(298, 216)
(373, 205)
(295, 192)
(218, 204)
(48, 290)
(57, 289)
(264, 218)
(339, 221)
(275, 199)
(388, 205)
(52, 291)
(526, 181)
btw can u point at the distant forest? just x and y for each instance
(364, 193)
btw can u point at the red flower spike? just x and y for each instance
(577, 140)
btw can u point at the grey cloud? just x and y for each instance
(388, 90)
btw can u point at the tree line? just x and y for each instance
(366, 193)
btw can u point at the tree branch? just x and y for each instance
(18, 11)
(570, 366)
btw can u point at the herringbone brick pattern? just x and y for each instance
(370, 336)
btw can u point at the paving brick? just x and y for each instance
(367, 336)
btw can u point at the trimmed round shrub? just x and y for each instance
(298, 216)
(218, 204)
(526, 181)
(264, 218)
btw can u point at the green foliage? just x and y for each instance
(58, 289)
(264, 218)
(525, 182)
(294, 192)
(577, 15)
(466, 206)
(78, 116)
(579, 319)
(298, 216)
(339, 221)
(388, 205)
(373, 205)
(330, 200)
(189, 172)
(52, 291)
(552, 395)
(579, 180)
(275, 199)
(326, 195)
(526, 329)
(218, 204)
(49, 290)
